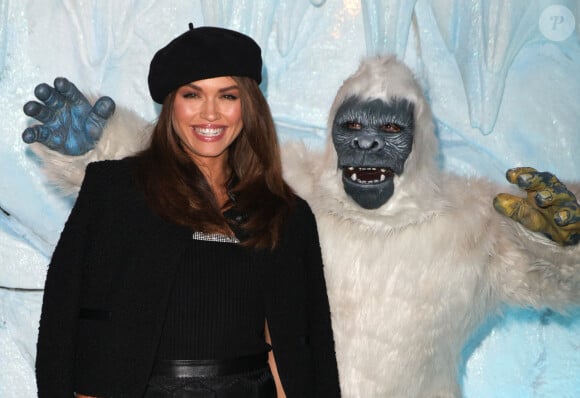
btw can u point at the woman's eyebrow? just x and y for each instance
(232, 87)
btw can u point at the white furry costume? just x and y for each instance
(410, 281)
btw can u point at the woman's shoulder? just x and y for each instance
(299, 204)
(112, 166)
(300, 212)
(111, 172)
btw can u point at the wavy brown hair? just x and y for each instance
(176, 189)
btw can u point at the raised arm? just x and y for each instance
(73, 132)
(538, 258)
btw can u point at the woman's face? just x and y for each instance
(207, 116)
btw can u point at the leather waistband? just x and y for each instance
(209, 367)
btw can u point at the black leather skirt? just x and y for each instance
(247, 377)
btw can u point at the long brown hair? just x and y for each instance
(177, 190)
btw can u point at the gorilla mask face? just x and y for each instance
(372, 139)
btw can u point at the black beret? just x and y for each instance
(203, 53)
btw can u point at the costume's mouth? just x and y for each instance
(367, 175)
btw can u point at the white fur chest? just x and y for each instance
(401, 305)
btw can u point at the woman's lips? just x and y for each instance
(209, 133)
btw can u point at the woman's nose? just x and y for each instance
(209, 111)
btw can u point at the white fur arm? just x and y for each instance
(538, 272)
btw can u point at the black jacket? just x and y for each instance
(108, 286)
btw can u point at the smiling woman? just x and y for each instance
(191, 269)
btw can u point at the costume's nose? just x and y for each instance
(367, 142)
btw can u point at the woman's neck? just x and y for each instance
(217, 175)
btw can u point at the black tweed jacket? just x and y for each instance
(108, 286)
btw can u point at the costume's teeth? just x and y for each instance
(352, 174)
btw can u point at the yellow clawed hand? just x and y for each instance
(549, 207)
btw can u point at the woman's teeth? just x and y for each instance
(208, 132)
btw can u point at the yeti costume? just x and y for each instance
(409, 281)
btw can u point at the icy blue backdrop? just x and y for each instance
(502, 78)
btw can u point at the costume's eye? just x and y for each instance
(351, 125)
(391, 128)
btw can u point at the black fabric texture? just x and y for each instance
(217, 291)
(203, 53)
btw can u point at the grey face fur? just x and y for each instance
(373, 139)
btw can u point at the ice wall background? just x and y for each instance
(502, 78)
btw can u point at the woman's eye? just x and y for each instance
(190, 94)
(230, 97)
(353, 125)
(391, 128)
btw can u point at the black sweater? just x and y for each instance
(110, 280)
(216, 309)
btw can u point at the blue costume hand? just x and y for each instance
(69, 123)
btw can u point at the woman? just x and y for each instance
(188, 269)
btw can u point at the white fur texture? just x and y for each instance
(409, 282)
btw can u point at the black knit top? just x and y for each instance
(216, 308)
